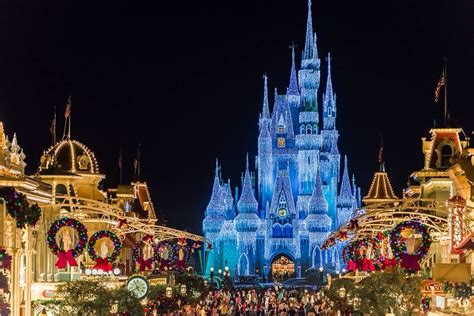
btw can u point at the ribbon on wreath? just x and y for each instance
(387, 263)
(122, 222)
(351, 266)
(103, 264)
(410, 262)
(145, 264)
(64, 258)
(181, 264)
(367, 265)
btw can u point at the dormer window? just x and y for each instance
(281, 142)
(446, 154)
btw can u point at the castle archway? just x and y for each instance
(282, 267)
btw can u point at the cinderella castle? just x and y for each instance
(275, 224)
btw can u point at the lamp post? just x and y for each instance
(169, 292)
(321, 276)
(183, 289)
(211, 274)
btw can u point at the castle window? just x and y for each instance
(281, 129)
(309, 130)
(302, 130)
(315, 129)
(281, 142)
(446, 154)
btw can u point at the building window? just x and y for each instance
(309, 130)
(281, 142)
(281, 129)
(446, 154)
(302, 130)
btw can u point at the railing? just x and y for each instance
(428, 261)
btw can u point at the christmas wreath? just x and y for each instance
(104, 234)
(145, 264)
(352, 250)
(19, 208)
(397, 241)
(67, 255)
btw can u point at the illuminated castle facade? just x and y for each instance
(298, 194)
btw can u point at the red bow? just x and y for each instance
(145, 264)
(181, 241)
(148, 237)
(343, 235)
(354, 224)
(103, 264)
(351, 266)
(122, 222)
(65, 258)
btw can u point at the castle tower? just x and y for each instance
(246, 224)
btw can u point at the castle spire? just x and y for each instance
(309, 44)
(266, 108)
(318, 203)
(329, 101)
(215, 204)
(345, 194)
(293, 87)
(247, 202)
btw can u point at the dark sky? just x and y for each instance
(184, 79)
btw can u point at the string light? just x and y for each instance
(104, 234)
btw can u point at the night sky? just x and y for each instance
(184, 79)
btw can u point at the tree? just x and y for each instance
(126, 302)
(84, 297)
(393, 291)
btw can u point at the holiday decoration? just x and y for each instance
(5, 259)
(410, 261)
(102, 263)
(19, 208)
(122, 223)
(66, 255)
(145, 264)
(357, 257)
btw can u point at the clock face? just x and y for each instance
(138, 286)
(282, 212)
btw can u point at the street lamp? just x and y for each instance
(342, 292)
(169, 292)
(211, 270)
(321, 269)
(226, 271)
(183, 289)
(219, 271)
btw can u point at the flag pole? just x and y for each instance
(446, 92)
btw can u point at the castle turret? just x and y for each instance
(318, 219)
(247, 206)
(329, 102)
(215, 209)
(345, 199)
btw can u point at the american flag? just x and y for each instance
(67, 113)
(441, 83)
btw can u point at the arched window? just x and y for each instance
(287, 231)
(309, 130)
(309, 160)
(315, 129)
(277, 231)
(302, 130)
(61, 189)
(446, 154)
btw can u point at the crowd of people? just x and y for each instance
(273, 301)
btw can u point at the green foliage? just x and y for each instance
(127, 303)
(333, 293)
(394, 291)
(85, 297)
